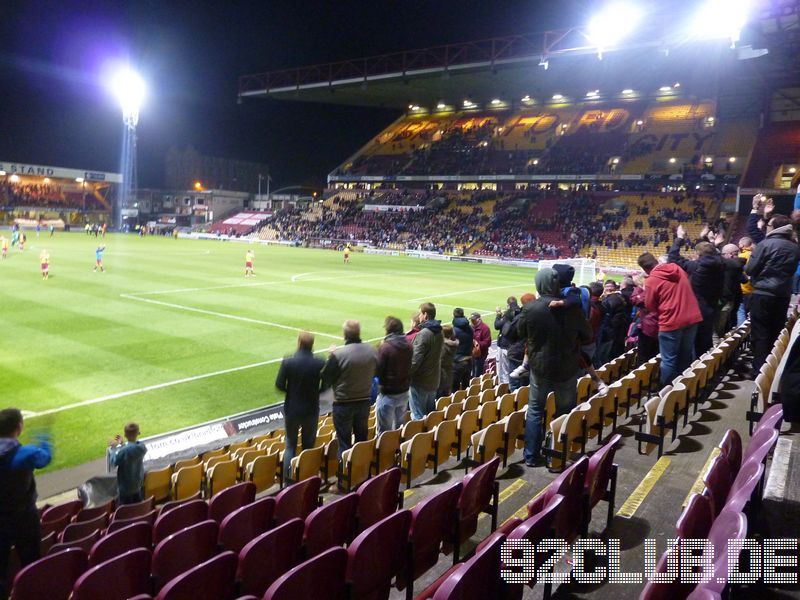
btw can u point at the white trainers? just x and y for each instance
(518, 372)
(602, 387)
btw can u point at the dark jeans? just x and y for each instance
(767, 318)
(350, 419)
(677, 352)
(131, 498)
(705, 334)
(21, 530)
(478, 365)
(292, 425)
(462, 370)
(647, 348)
(566, 397)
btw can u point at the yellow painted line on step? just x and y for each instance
(506, 493)
(634, 501)
(698, 483)
(407, 494)
(522, 513)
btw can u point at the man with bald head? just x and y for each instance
(731, 289)
(349, 371)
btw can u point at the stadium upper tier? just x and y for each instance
(663, 137)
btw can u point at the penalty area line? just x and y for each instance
(166, 384)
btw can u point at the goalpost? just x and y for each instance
(585, 268)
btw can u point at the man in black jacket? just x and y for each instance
(299, 377)
(502, 324)
(707, 276)
(394, 376)
(462, 363)
(554, 341)
(732, 288)
(771, 268)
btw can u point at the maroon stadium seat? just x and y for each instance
(229, 499)
(210, 580)
(131, 511)
(378, 497)
(77, 531)
(178, 518)
(377, 555)
(330, 525)
(148, 518)
(320, 578)
(601, 480)
(695, 520)
(478, 578)
(137, 535)
(116, 579)
(89, 514)
(84, 543)
(478, 494)
(269, 556)
(50, 577)
(54, 513)
(569, 484)
(183, 550)
(246, 523)
(298, 500)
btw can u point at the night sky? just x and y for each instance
(54, 109)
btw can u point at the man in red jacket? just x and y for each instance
(669, 294)
(483, 338)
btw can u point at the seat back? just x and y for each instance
(488, 442)
(432, 521)
(59, 511)
(731, 448)
(321, 578)
(386, 448)
(357, 461)
(50, 577)
(467, 424)
(298, 500)
(411, 429)
(263, 471)
(771, 418)
(569, 484)
(729, 525)
(521, 396)
(84, 543)
(90, 514)
(77, 531)
(118, 524)
(515, 430)
(185, 515)
(377, 497)
(761, 444)
(598, 472)
(137, 535)
(444, 438)
(414, 455)
(476, 496)
(377, 555)
(228, 500)
(222, 475)
(453, 410)
(745, 484)
(213, 578)
(245, 523)
(131, 511)
(186, 481)
(695, 520)
(477, 578)
(268, 556)
(330, 525)
(472, 402)
(308, 463)
(505, 405)
(487, 413)
(183, 550)
(120, 578)
(718, 482)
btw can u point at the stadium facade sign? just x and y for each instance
(476, 178)
(16, 168)
(391, 208)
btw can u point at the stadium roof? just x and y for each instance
(535, 65)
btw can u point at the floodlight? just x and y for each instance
(14, 178)
(79, 180)
(721, 19)
(732, 159)
(613, 24)
(535, 161)
(526, 98)
(129, 89)
(2, 173)
(640, 122)
(673, 160)
(495, 101)
(558, 97)
(441, 106)
(627, 91)
(665, 88)
(592, 93)
(792, 170)
(708, 160)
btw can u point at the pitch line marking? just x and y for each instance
(213, 313)
(166, 384)
(487, 289)
(634, 501)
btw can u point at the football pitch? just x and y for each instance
(172, 333)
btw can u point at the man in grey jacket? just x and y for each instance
(349, 371)
(426, 362)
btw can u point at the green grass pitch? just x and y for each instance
(151, 338)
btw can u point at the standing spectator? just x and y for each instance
(771, 268)
(300, 378)
(129, 460)
(412, 333)
(502, 324)
(554, 338)
(646, 325)
(19, 519)
(614, 326)
(449, 345)
(669, 294)
(595, 318)
(394, 376)
(518, 369)
(707, 276)
(732, 288)
(349, 371)
(426, 362)
(462, 364)
(745, 249)
(482, 336)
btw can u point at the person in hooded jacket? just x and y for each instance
(554, 340)
(394, 376)
(462, 362)
(426, 362)
(19, 518)
(669, 294)
(771, 267)
(449, 345)
(502, 325)
(707, 276)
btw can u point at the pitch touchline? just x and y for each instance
(487, 289)
(166, 384)
(213, 313)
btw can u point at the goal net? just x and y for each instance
(585, 268)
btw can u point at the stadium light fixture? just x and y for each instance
(665, 88)
(46, 180)
(676, 85)
(14, 178)
(613, 24)
(722, 19)
(792, 170)
(558, 96)
(640, 122)
(198, 186)
(627, 92)
(2, 173)
(673, 160)
(129, 90)
(535, 161)
(732, 159)
(495, 101)
(593, 93)
(441, 106)
(708, 160)
(615, 160)
(79, 180)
